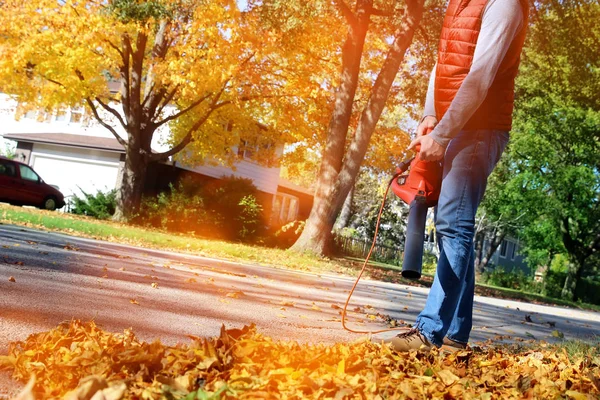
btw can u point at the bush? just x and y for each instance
(587, 290)
(286, 235)
(517, 280)
(101, 205)
(224, 209)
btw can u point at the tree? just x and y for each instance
(551, 172)
(204, 69)
(358, 105)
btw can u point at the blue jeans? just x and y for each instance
(470, 159)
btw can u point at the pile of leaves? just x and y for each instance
(80, 361)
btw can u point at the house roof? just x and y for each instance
(68, 139)
(284, 183)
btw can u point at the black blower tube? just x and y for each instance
(415, 240)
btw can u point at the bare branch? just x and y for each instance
(121, 141)
(113, 112)
(149, 93)
(189, 135)
(182, 112)
(346, 12)
(124, 70)
(52, 81)
(381, 13)
(114, 46)
(165, 101)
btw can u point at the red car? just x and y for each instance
(21, 185)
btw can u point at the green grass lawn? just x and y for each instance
(152, 238)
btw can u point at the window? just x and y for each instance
(503, 248)
(76, 116)
(285, 209)
(248, 151)
(31, 114)
(28, 174)
(44, 116)
(513, 253)
(61, 116)
(7, 168)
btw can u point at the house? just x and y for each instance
(507, 256)
(76, 153)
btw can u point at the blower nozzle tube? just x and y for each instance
(415, 238)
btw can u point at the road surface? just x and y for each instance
(168, 296)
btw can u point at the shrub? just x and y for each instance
(101, 205)
(286, 235)
(587, 290)
(224, 209)
(517, 280)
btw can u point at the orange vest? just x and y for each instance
(457, 45)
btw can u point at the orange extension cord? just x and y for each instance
(365, 266)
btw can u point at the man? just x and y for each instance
(471, 92)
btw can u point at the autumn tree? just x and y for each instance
(202, 69)
(377, 37)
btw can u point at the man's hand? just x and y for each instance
(429, 149)
(426, 125)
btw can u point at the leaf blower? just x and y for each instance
(420, 189)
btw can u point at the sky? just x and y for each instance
(242, 4)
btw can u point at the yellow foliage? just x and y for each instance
(240, 79)
(76, 360)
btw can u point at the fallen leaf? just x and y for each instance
(154, 285)
(558, 334)
(134, 301)
(12, 279)
(235, 295)
(447, 377)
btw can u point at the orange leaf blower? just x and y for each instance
(420, 189)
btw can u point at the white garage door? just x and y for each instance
(70, 175)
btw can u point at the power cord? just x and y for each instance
(399, 171)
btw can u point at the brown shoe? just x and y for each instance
(411, 340)
(450, 345)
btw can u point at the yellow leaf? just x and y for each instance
(341, 367)
(447, 377)
(576, 395)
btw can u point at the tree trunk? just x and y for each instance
(495, 241)
(344, 217)
(129, 196)
(479, 242)
(336, 178)
(573, 277)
